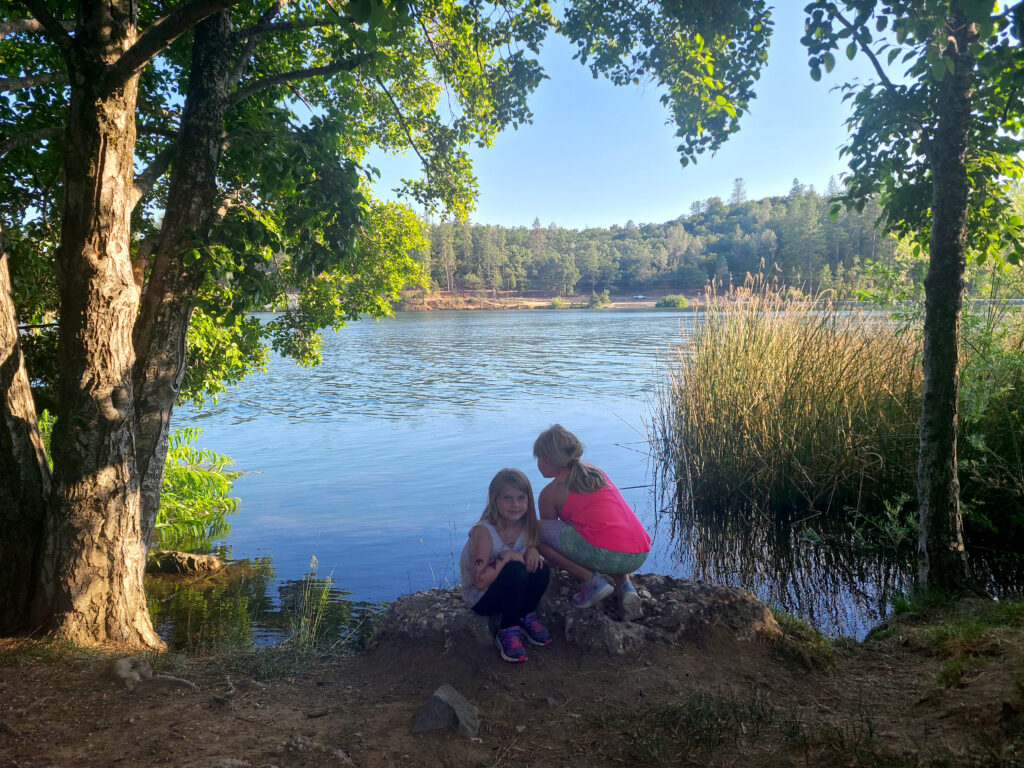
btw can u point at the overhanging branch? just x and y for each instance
(29, 137)
(33, 81)
(50, 24)
(285, 78)
(25, 26)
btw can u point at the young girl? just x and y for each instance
(587, 528)
(501, 567)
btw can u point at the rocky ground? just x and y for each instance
(708, 677)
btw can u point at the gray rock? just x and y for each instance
(129, 671)
(169, 561)
(231, 762)
(675, 611)
(447, 708)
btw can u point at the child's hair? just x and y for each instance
(563, 449)
(516, 479)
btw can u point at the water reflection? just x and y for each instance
(234, 609)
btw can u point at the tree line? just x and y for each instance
(796, 236)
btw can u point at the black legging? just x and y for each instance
(514, 593)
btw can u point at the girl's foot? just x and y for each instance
(594, 591)
(629, 602)
(510, 645)
(534, 631)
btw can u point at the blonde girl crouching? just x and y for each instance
(587, 528)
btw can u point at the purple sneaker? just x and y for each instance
(510, 645)
(594, 591)
(632, 606)
(535, 632)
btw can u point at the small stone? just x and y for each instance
(129, 671)
(447, 708)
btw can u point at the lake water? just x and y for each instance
(377, 461)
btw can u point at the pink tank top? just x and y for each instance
(604, 519)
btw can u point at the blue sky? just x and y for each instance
(597, 155)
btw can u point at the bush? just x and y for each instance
(598, 300)
(673, 300)
(194, 500)
(557, 303)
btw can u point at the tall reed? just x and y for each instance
(790, 406)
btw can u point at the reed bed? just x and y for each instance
(790, 407)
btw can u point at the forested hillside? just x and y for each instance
(726, 240)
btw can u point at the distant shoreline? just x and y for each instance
(512, 301)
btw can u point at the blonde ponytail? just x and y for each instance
(563, 449)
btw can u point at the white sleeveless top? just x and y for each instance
(470, 592)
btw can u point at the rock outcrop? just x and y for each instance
(169, 561)
(675, 611)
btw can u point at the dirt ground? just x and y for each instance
(726, 703)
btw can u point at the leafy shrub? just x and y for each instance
(194, 500)
(557, 303)
(598, 300)
(673, 300)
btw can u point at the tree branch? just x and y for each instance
(21, 26)
(287, 26)
(867, 52)
(33, 81)
(50, 24)
(251, 40)
(159, 36)
(144, 181)
(401, 120)
(29, 137)
(345, 65)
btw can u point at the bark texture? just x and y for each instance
(159, 335)
(24, 475)
(942, 561)
(93, 557)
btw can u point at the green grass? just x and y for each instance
(802, 643)
(963, 633)
(791, 405)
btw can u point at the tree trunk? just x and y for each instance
(942, 561)
(93, 559)
(24, 475)
(160, 332)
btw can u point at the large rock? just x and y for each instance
(675, 611)
(169, 561)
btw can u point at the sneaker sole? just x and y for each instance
(600, 594)
(538, 643)
(509, 659)
(632, 607)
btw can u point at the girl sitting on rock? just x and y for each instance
(501, 568)
(587, 528)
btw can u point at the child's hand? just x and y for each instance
(509, 555)
(532, 559)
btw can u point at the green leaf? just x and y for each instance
(851, 50)
(829, 61)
